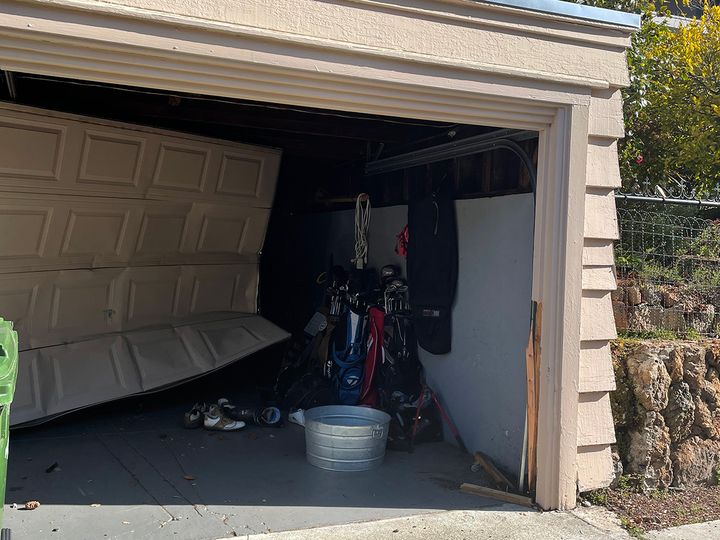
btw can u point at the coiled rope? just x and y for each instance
(362, 224)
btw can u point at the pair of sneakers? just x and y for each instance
(211, 417)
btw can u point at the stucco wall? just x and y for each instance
(482, 381)
(464, 34)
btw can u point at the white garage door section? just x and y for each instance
(128, 256)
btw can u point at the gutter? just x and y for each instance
(573, 10)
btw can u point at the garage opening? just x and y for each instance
(178, 248)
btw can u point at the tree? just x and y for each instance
(672, 106)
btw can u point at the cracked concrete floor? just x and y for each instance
(141, 475)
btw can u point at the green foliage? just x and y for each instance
(707, 243)
(641, 335)
(632, 262)
(704, 255)
(716, 475)
(703, 278)
(631, 6)
(695, 262)
(657, 494)
(599, 497)
(632, 529)
(672, 106)
(657, 273)
(693, 334)
(631, 483)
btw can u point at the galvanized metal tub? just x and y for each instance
(345, 438)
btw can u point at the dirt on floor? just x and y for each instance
(641, 512)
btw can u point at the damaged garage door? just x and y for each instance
(128, 256)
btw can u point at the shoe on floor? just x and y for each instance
(260, 416)
(215, 420)
(194, 417)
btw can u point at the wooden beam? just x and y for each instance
(501, 481)
(498, 495)
(531, 410)
(532, 366)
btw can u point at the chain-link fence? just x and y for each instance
(668, 268)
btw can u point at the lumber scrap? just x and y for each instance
(497, 494)
(500, 480)
(532, 364)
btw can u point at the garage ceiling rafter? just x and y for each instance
(580, 66)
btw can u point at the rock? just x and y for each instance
(621, 315)
(713, 296)
(703, 424)
(694, 367)
(670, 297)
(713, 377)
(716, 423)
(674, 364)
(644, 317)
(617, 467)
(618, 295)
(673, 320)
(695, 462)
(712, 356)
(702, 318)
(709, 394)
(679, 414)
(649, 378)
(622, 399)
(711, 391)
(689, 301)
(650, 294)
(649, 452)
(634, 297)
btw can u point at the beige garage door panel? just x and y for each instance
(49, 152)
(130, 254)
(32, 150)
(222, 338)
(68, 374)
(79, 303)
(153, 295)
(162, 358)
(18, 301)
(28, 399)
(222, 230)
(60, 232)
(56, 380)
(55, 307)
(223, 288)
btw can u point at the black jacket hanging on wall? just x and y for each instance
(432, 269)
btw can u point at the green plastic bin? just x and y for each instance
(8, 375)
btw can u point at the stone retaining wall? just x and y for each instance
(667, 411)
(644, 306)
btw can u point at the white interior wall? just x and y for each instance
(482, 380)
